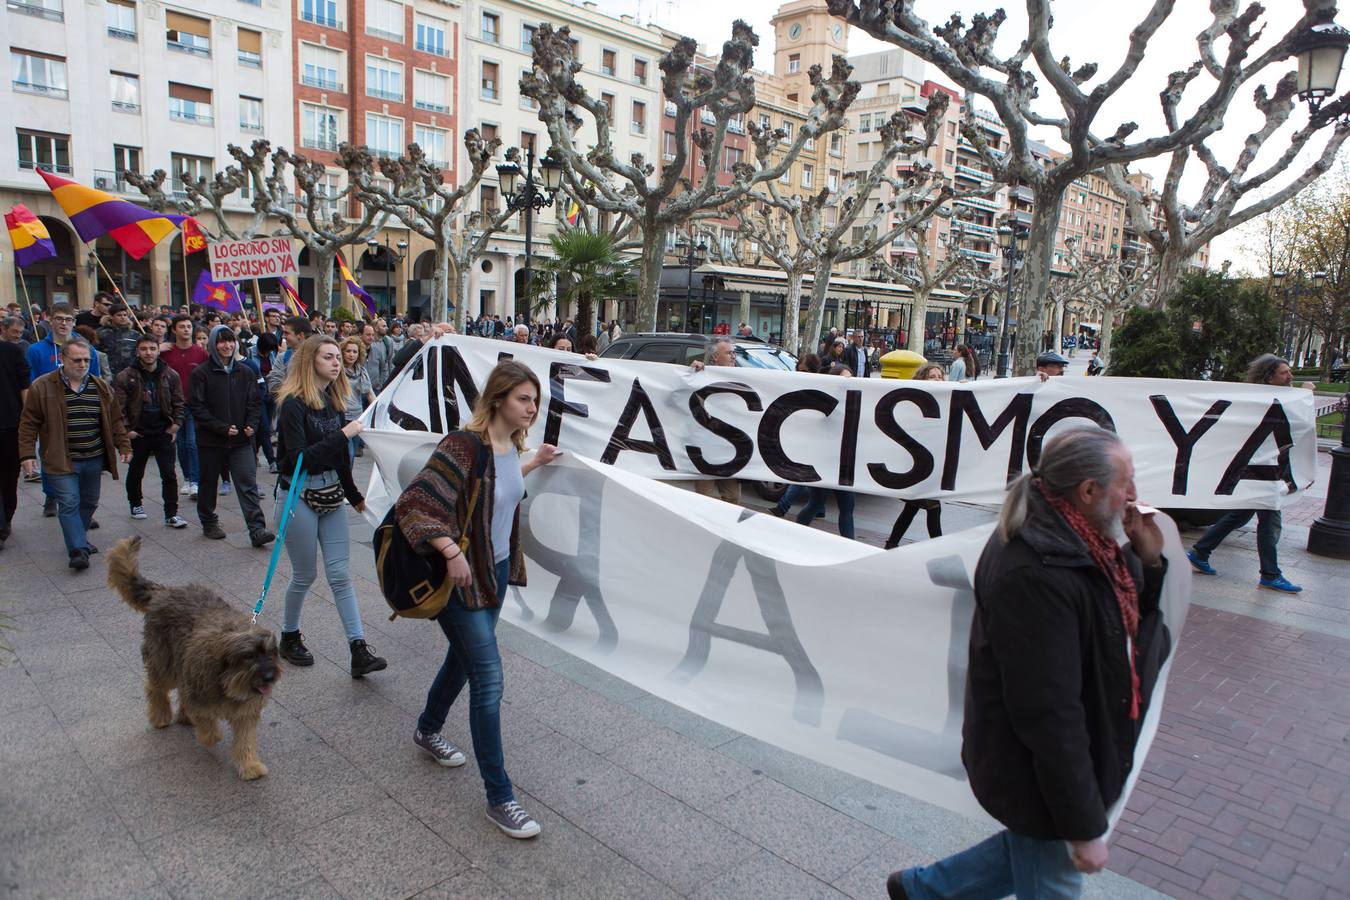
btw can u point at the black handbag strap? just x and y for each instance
(473, 494)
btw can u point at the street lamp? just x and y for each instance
(1012, 242)
(529, 198)
(694, 256)
(389, 257)
(1320, 52)
(1295, 291)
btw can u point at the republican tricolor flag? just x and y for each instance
(356, 289)
(95, 213)
(32, 243)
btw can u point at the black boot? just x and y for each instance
(363, 661)
(294, 651)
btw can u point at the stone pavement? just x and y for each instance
(1245, 793)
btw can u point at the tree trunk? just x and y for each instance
(323, 285)
(1169, 273)
(440, 286)
(1035, 282)
(649, 278)
(461, 296)
(918, 320)
(792, 313)
(815, 314)
(1108, 328)
(1058, 325)
(585, 319)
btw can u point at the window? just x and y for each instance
(609, 102)
(430, 34)
(527, 38)
(43, 9)
(250, 114)
(489, 132)
(794, 63)
(788, 129)
(435, 143)
(191, 167)
(126, 159)
(50, 151)
(527, 141)
(121, 18)
(320, 127)
(250, 48)
(189, 103)
(765, 123)
(836, 143)
(487, 198)
(38, 73)
(809, 143)
(384, 79)
(728, 241)
(319, 67)
(668, 145)
(188, 34)
(609, 62)
(951, 129)
(384, 18)
(491, 86)
(808, 175)
(384, 135)
(329, 189)
(731, 157)
(640, 71)
(949, 157)
(126, 91)
(320, 12)
(639, 117)
(833, 180)
(865, 123)
(491, 28)
(431, 91)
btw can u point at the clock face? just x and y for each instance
(795, 31)
(838, 31)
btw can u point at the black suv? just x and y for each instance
(682, 349)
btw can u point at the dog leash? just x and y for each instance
(292, 493)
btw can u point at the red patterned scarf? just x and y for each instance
(1108, 556)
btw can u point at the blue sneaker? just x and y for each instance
(1201, 565)
(1281, 584)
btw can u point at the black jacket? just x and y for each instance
(129, 385)
(318, 432)
(120, 345)
(1048, 738)
(218, 399)
(406, 354)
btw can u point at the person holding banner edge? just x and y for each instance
(1066, 645)
(433, 513)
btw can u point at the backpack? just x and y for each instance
(416, 586)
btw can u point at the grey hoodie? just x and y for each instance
(226, 364)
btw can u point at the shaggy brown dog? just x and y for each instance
(222, 665)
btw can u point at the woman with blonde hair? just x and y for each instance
(310, 419)
(361, 394)
(438, 509)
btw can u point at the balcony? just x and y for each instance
(126, 106)
(323, 84)
(121, 34)
(320, 19)
(320, 143)
(905, 246)
(251, 127)
(381, 33)
(386, 154)
(195, 118)
(707, 117)
(45, 90)
(431, 107)
(975, 228)
(252, 60)
(379, 94)
(33, 9)
(434, 49)
(736, 127)
(50, 167)
(973, 174)
(670, 108)
(180, 46)
(978, 254)
(107, 180)
(1024, 193)
(977, 203)
(1022, 218)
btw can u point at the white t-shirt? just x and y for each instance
(507, 491)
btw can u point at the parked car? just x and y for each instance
(682, 349)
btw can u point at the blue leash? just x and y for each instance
(291, 494)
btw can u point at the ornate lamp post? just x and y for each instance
(1013, 243)
(1320, 52)
(695, 254)
(388, 259)
(1292, 292)
(529, 198)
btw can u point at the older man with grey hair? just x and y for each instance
(1065, 649)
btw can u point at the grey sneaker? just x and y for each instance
(138, 512)
(175, 522)
(440, 749)
(513, 820)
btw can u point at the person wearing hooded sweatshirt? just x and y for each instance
(223, 399)
(151, 398)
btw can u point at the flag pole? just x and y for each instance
(257, 300)
(116, 290)
(28, 304)
(187, 285)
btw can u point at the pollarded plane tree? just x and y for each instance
(313, 214)
(966, 54)
(415, 191)
(767, 224)
(1185, 228)
(1112, 285)
(201, 194)
(661, 202)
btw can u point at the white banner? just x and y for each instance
(843, 653)
(1195, 443)
(255, 258)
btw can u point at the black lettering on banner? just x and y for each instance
(558, 404)
(781, 639)
(1273, 424)
(939, 751)
(741, 443)
(1071, 408)
(848, 443)
(771, 427)
(405, 420)
(1184, 440)
(621, 438)
(503, 356)
(433, 386)
(454, 371)
(963, 406)
(578, 575)
(886, 423)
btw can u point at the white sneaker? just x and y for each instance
(138, 512)
(192, 490)
(175, 522)
(225, 487)
(186, 489)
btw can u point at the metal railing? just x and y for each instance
(314, 143)
(381, 94)
(45, 90)
(50, 167)
(249, 58)
(126, 107)
(435, 50)
(322, 83)
(430, 107)
(373, 31)
(107, 180)
(195, 118)
(32, 9)
(187, 48)
(318, 19)
(121, 34)
(972, 172)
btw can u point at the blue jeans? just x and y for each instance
(305, 534)
(790, 497)
(1269, 524)
(815, 504)
(76, 499)
(187, 450)
(1007, 863)
(473, 657)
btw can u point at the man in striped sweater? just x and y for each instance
(77, 422)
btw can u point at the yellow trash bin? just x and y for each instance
(901, 364)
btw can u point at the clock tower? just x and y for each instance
(805, 35)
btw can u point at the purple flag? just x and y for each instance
(223, 295)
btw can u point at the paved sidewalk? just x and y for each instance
(1245, 793)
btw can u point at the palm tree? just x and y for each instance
(587, 269)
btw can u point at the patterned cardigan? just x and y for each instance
(436, 504)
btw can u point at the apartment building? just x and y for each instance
(381, 74)
(106, 86)
(619, 61)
